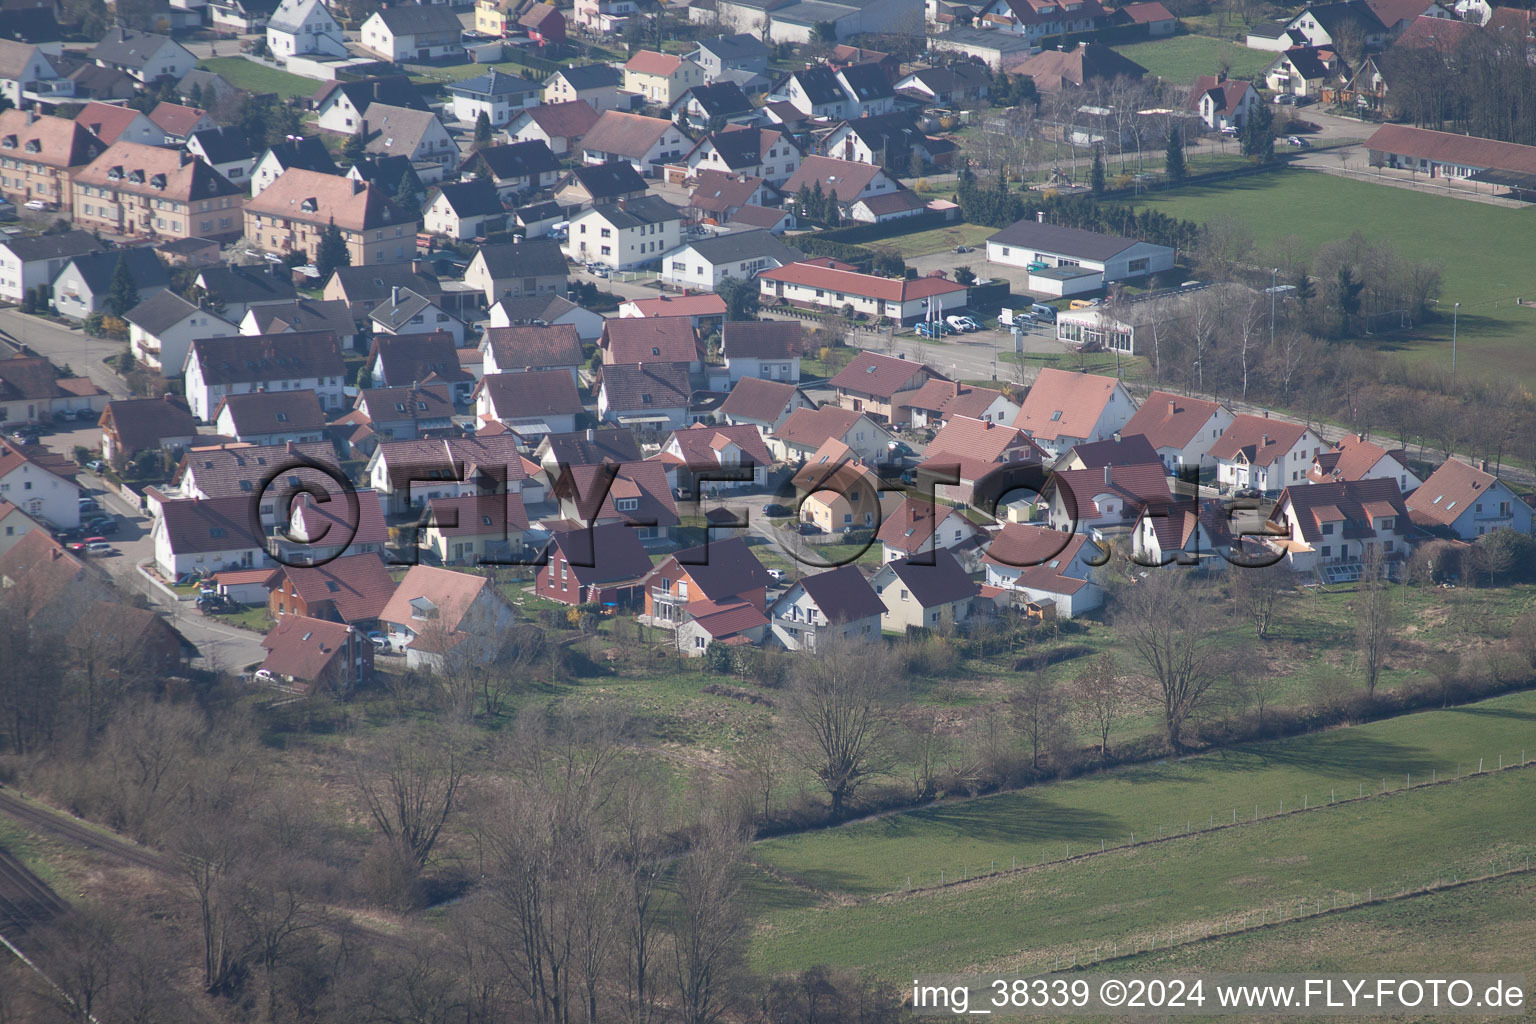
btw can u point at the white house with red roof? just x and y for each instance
(1063, 409)
(1035, 19)
(1184, 533)
(1468, 501)
(471, 529)
(1340, 525)
(41, 483)
(917, 527)
(1181, 430)
(1223, 102)
(806, 430)
(703, 310)
(311, 654)
(710, 594)
(633, 494)
(1354, 458)
(764, 404)
(838, 602)
(937, 401)
(825, 283)
(871, 383)
(1095, 500)
(974, 449)
(207, 534)
(319, 531)
(700, 450)
(409, 473)
(1033, 564)
(1264, 454)
(439, 617)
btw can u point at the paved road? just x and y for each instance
(221, 646)
(63, 345)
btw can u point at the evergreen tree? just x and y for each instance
(1096, 176)
(1173, 164)
(818, 210)
(833, 216)
(803, 200)
(482, 130)
(1306, 290)
(123, 293)
(332, 251)
(355, 149)
(410, 189)
(1258, 139)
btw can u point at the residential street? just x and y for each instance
(63, 345)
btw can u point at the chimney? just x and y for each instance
(1173, 406)
(1117, 437)
(184, 157)
(1482, 465)
(1221, 76)
(394, 295)
(358, 185)
(1039, 216)
(291, 448)
(591, 434)
(31, 115)
(1109, 475)
(1265, 443)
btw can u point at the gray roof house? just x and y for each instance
(27, 263)
(739, 255)
(81, 287)
(161, 329)
(142, 55)
(534, 267)
(234, 289)
(739, 52)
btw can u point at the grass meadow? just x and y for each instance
(258, 78)
(1182, 59)
(1167, 797)
(1495, 262)
(1133, 896)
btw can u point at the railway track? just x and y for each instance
(25, 899)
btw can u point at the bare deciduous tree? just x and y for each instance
(1036, 709)
(1375, 619)
(1256, 592)
(1174, 628)
(709, 936)
(842, 701)
(1100, 698)
(409, 782)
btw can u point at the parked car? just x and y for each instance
(963, 249)
(1084, 303)
(100, 546)
(88, 505)
(1229, 129)
(1037, 265)
(37, 204)
(776, 511)
(106, 524)
(26, 435)
(1285, 99)
(777, 575)
(1298, 141)
(265, 675)
(96, 466)
(933, 329)
(64, 414)
(7, 210)
(806, 529)
(1044, 312)
(958, 324)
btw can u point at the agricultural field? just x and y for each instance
(258, 78)
(1494, 263)
(1136, 896)
(967, 837)
(1486, 923)
(1182, 59)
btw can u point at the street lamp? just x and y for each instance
(1455, 316)
(1274, 276)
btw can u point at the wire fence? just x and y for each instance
(1280, 912)
(1034, 859)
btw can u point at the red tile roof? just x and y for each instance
(1359, 504)
(141, 423)
(1041, 553)
(722, 619)
(1168, 420)
(645, 482)
(756, 399)
(951, 398)
(1136, 486)
(478, 515)
(720, 569)
(910, 528)
(532, 347)
(495, 455)
(811, 428)
(1147, 12)
(302, 647)
(1064, 404)
(453, 593)
(206, 525)
(649, 62)
(537, 393)
(331, 522)
(649, 386)
(983, 440)
(358, 585)
(1449, 491)
(1261, 440)
(824, 273)
(762, 339)
(659, 339)
(272, 412)
(176, 119)
(1351, 458)
(603, 554)
(1448, 147)
(870, 373)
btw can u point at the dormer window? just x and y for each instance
(309, 205)
(627, 504)
(33, 146)
(9, 142)
(115, 173)
(136, 177)
(157, 181)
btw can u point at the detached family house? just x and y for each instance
(1264, 454)
(1063, 409)
(838, 603)
(1467, 502)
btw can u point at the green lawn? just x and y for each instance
(1182, 59)
(1493, 261)
(253, 77)
(1021, 922)
(925, 243)
(967, 837)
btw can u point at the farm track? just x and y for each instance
(61, 826)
